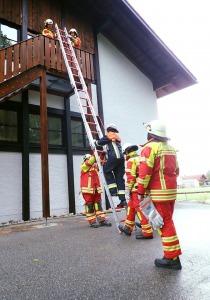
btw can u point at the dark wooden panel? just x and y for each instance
(10, 10)
(29, 54)
(2, 61)
(16, 58)
(9, 62)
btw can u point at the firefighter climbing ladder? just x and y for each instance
(89, 117)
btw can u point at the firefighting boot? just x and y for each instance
(122, 204)
(113, 192)
(140, 236)
(94, 225)
(173, 263)
(125, 229)
(105, 223)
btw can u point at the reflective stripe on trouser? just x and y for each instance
(99, 211)
(91, 209)
(170, 241)
(114, 170)
(133, 209)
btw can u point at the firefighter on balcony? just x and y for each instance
(131, 194)
(114, 168)
(158, 171)
(75, 40)
(91, 191)
(48, 29)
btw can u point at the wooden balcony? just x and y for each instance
(30, 54)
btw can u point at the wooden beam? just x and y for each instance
(44, 146)
(19, 81)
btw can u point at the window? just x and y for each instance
(8, 126)
(79, 137)
(54, 130)
(8, 36)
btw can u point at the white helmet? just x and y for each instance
(86, 156)
(73, 30)
(128, 147)
(48, 22)
(113, 127)
(157, 128)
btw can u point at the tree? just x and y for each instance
(4, 41)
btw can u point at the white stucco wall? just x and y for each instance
(58, 185)
(10, 186)
(128, 96)
(52, 100)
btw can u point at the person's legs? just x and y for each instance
(130, 219)
(90, 210)
(109, 176)
(99, 211)
(170, 241)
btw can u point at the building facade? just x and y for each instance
(42, 137)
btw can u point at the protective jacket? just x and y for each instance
(113, 144)
(76, 42)
(89, 179)
(132, 168)
(49, 33)
(158, 171)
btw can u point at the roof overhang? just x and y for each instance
(127, 31)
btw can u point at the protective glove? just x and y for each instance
(155, 219)
(127, 194)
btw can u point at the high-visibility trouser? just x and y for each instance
(93, 207)
(170, 241)
(132, 210)
(114, 170)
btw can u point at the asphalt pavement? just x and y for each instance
(65, 259)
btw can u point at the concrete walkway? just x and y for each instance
(68, 260)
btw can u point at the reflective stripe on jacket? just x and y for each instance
(132, 168)
(89, 179)
(113, 144)
(158, 171)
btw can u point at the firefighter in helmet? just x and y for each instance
(48, 29)
(75, 40)
(91, 192)
(114, 168)
(158, 171)
(131, 194)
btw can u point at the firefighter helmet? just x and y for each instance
(157, 128)
(73, 30)
(86, 156)
(128, 147)
(48, 22)
(112, 127)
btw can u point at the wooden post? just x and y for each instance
(44, 146)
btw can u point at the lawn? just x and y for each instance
(199, 194)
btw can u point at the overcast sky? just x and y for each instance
(184, 26)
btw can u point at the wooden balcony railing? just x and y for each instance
(40, 51)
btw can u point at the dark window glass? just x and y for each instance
(54, 130)
(79, 137)
(8, 126)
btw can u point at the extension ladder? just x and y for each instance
(89, 117)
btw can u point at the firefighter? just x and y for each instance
(48, 29)
(75, 40)
(158, 171)
(131, 194)
(114, 168)
(91, 191)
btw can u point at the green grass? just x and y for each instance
(199, 194)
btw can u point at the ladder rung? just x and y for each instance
(92, 123)
(96, 132)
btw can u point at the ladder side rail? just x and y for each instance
(65, 57)
(87, 128)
